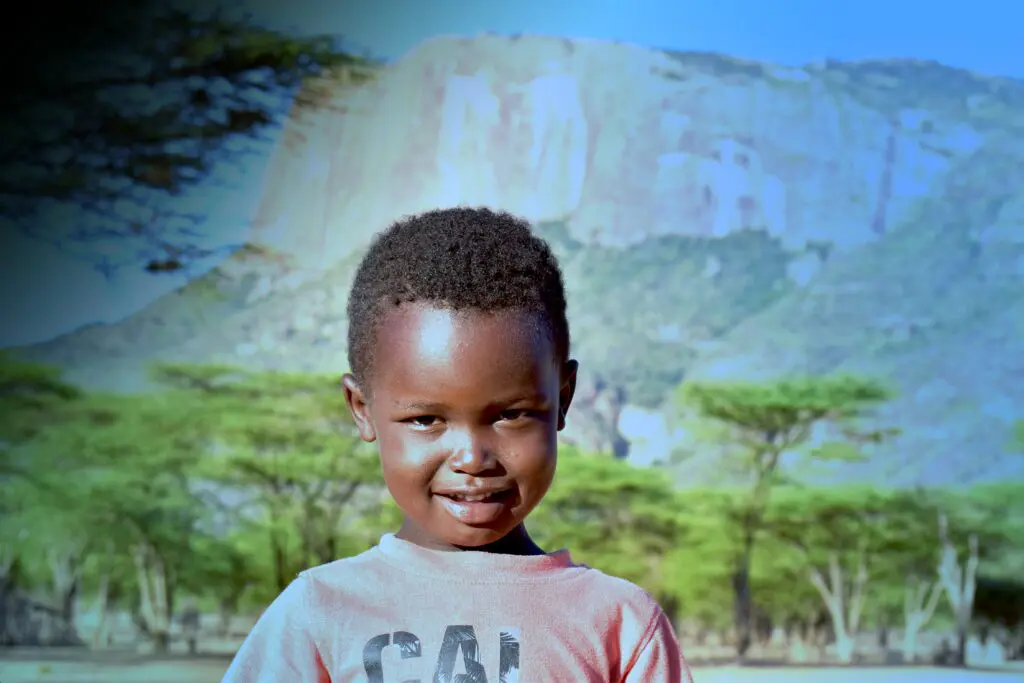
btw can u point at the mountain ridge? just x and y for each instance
(707, 216)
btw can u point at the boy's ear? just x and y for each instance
(359, 406)
(567, 391)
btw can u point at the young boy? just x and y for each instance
(459, 350)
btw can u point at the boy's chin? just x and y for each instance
(467, 537)
(451, 533)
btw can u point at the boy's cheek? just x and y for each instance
(400, 453)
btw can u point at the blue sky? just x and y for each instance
(982, 35)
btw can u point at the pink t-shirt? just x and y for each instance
(400, 613)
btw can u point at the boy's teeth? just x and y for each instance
(472, 499)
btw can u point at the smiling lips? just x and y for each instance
(475, 506)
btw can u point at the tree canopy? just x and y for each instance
(115, 113)
(761, 422)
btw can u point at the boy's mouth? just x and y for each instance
(476, 508)
(486, 497)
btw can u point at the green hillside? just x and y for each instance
(639, 314)
(936, 307)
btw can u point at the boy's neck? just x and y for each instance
(517, 542)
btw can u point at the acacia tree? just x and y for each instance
(288, 449)
(43, 552)
(975, 536)
(847, 537)
(785, 598)
(761, 423)
(119, 108)
(905, 592)
(999, 595)
(122, 469)
(913, 515)
(32, 398)
(702, 588)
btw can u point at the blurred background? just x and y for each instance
(793, 239)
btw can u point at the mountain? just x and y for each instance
(715, 218)
(935, 307)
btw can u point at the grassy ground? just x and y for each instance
(113, 668)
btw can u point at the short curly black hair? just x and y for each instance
(461, 259)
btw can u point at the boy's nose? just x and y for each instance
(471, 455)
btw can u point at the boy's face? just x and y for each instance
(463, 402)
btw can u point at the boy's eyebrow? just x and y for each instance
(415, 405)
(429, 405)
(523, 398)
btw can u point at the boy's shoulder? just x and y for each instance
(619, 598)
(344, 569)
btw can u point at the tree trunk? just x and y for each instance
(845, 647)
(765, 462)
(1015, 643)
(330, 551)
(225, 614)
(280, 561)
(920, 602)
(161, 641)
(797, 651)
(191, 621)
(7, 603)
(65, 570)
(101, 637)
(961, 644)
(909, 645)
(741, 590)
(154, 596)
(67, 614)
(763, 629)
(959, 583)
(845, 614)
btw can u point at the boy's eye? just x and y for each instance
(513, 415)
(423, 421)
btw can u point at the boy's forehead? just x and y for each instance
(435, 326)
(420, 345)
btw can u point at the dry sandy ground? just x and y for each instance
(210, 671)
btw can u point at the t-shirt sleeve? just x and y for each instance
(280, 647)
(660, 659)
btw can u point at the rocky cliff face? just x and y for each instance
(714, 217)
(623, 143)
